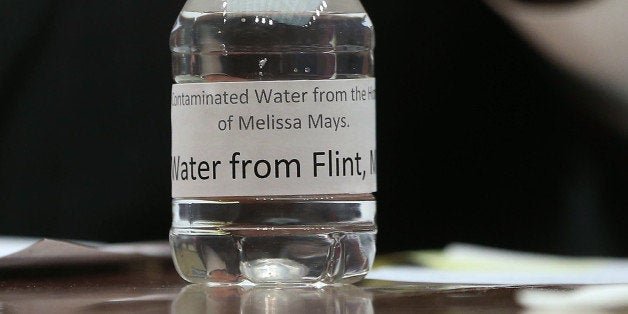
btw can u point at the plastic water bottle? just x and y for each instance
(273, 142)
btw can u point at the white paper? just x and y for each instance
(472, 264)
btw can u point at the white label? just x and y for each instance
(273, 138)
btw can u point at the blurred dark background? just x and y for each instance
(480, 138)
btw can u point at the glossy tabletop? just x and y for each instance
(151, 285)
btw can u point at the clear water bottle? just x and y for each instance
(273, 142)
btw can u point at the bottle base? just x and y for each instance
(293, 255)
(288, 240)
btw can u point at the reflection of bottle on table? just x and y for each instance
(199, 298)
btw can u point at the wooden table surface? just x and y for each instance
(151, 285)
